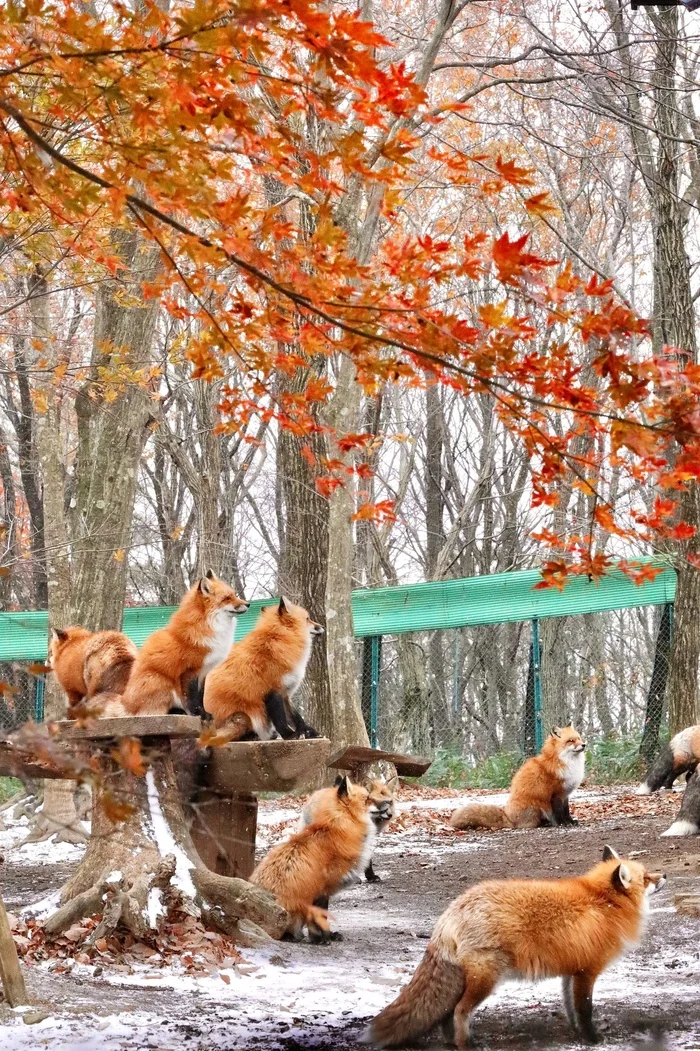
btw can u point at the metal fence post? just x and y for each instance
(374, 690)
(39, 700)
(537, 684)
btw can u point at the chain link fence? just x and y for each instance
(477, 691)
(21, 695)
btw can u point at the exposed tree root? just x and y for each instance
(140, 862)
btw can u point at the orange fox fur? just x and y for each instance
(381, 803)
(268, 664)
(573, 928)
(196, 638)
(540, 790)
(312, 864)
(93, 667)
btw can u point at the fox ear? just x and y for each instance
(282, 607)
(339, 780)
(621, 877)
(555, 731)
(393, 783)
(210, 574)
(59, 634)
(204, 585)
(343, 787)
(609, 853)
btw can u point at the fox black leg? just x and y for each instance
(664, 772)
(583, 1006)
(302, 728)
(370, 875)
(195, 698)
(276, 708)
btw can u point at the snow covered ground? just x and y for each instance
(289, 997)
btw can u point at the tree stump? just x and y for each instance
(145, 853)
(133, 865)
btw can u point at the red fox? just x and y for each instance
(381, 802)
(91, 666)
(528, 929)
(688, 821)
(196, 638)
(306, 870)
(680, 756)
(540, 790)
(262, 672)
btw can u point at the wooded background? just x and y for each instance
(118, 487)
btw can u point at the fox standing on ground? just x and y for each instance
(91, 667)
(540, 790)
(308, 869)
(680, 756)
(262, 672)
(688, 821)
(197, 637)
(522, 928)
(382, 808)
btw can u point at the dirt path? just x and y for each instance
(294, 997)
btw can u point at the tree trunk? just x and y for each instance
(347, 724)
(111, 436)
(656, 693)
(303, 568)
(415, 696)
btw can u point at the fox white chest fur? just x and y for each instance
(293, 679)
(574, 769)
(220, 642)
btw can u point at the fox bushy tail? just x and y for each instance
(480, 815)
(431, 995)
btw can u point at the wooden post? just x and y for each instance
(10, 973)
(223, 830)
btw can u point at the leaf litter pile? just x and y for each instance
(182, 943)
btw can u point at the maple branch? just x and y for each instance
(301, 301)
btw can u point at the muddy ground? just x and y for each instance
(320, 997)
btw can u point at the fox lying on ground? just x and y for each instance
(92, 667)
(382, 808)
(521, 928)
(680, 756)
(540, 790)
(307, 869)
(197, 637)
(262, 672)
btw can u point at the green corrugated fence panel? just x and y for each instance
(391, 611)
(497, 599)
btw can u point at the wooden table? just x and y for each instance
(224, 808)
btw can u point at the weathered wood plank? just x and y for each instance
(18, 762)
(266, 766)
(134, 726)
(10, 973)
(355, 756)
(223, 831)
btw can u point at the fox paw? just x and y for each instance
(372, 877)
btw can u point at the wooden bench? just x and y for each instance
(355, 759)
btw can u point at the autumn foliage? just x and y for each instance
(234, 135)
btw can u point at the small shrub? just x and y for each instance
(8, 787)
(613, 760)
(452, 770)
